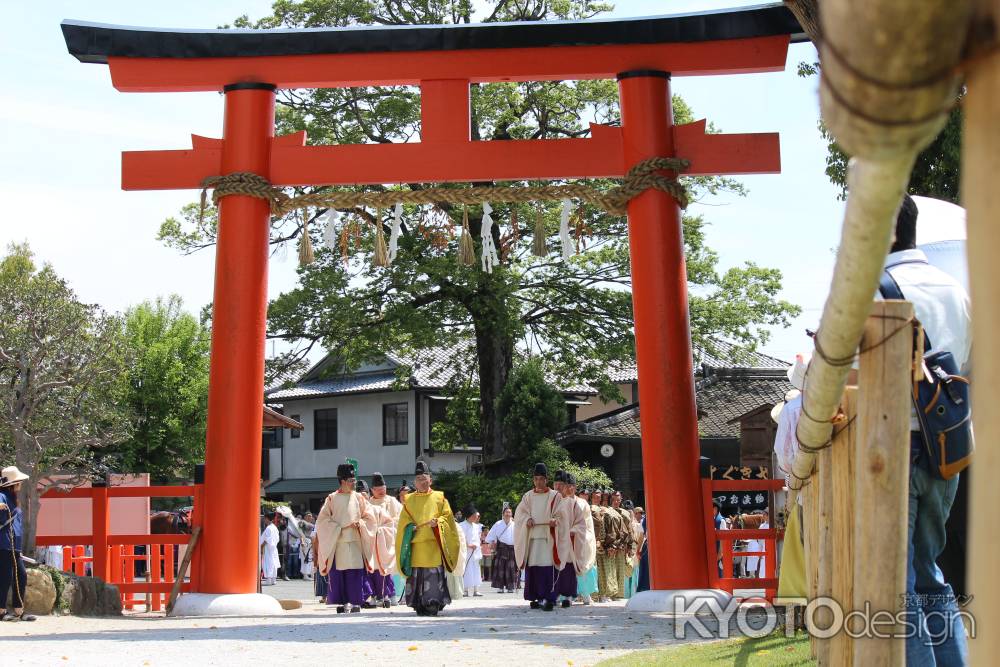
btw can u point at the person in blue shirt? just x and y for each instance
(13, 576)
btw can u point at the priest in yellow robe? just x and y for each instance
(346, 531)
(427, 545)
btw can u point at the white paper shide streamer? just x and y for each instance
(330, 220)
(564, 238)
(489, 255)
(397, 220)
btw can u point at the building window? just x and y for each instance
(395, 424)
(325, 429)
(294, 432)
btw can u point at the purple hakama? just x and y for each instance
(346, 586)
(381, 585)
(566, 581)
(539, 583)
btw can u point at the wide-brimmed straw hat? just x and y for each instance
(11, 475)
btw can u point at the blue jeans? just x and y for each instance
(938, 636)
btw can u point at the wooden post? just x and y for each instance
(980, 166)
(810, 547)
(176, 588)
(823, 481)
(842, 525)
(883, 474)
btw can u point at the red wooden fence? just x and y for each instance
(726, 538)
(114, 556)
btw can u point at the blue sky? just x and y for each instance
(63, 127)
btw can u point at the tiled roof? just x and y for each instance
(351, 384)
(723, 355)
(722, 397)
(725, 396)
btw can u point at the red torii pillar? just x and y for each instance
(678, 557)
(670, 445)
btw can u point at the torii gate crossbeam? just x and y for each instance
(248, 66)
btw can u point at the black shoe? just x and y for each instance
(432, 608)
(566, 604)
(548, 606)
(340, 609)
(535, 604)
(386, 603)
(355, 609)
(367, 605)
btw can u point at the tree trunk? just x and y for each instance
(30, 503)
(495, 355)
(807, 13)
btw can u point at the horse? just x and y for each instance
(170, 523)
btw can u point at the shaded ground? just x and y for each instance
(771, 651)
(472, 629)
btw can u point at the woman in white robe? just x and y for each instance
(473, 533)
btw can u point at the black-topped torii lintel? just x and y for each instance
(95, 42)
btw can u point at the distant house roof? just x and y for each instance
(274, 419)
(431, 368)
(724, 355)
(722, 397)
(725, 396)
(434, 368)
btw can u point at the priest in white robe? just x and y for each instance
(473, 532)
(269, 550)
(386, 510)
(575, 532)
(536, 547)
(346, 531)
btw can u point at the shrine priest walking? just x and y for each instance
(387, 510)
(536, 545)
(426, 545)
(505, 575)
(346, 530)
(576, 526)
(472, 579)
(269, 538)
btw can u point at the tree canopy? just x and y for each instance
(58, 357)
(165, 390)
(576, 314)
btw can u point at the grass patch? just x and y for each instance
(774, 650)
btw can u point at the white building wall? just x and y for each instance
(359, 436)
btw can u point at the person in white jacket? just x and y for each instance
(473, 532)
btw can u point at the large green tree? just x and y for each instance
(58, 358)
(576, 314)
(165, 390)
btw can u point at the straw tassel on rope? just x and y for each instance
(538, 244)
(381, 252)
(306, 254)
(466, 248)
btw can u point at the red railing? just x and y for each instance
(113, 556)
(726, 539)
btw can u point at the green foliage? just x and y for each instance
(58, 357)
(576, 314)
(165, 390)
(936, 172)
(59, 581)
(488, 492)
(462, 419)
(530, 410)
(271, 505)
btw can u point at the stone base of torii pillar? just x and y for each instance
(682, 601)
(226, 604)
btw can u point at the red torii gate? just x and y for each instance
(248, 66)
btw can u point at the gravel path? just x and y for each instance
(485, 630)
